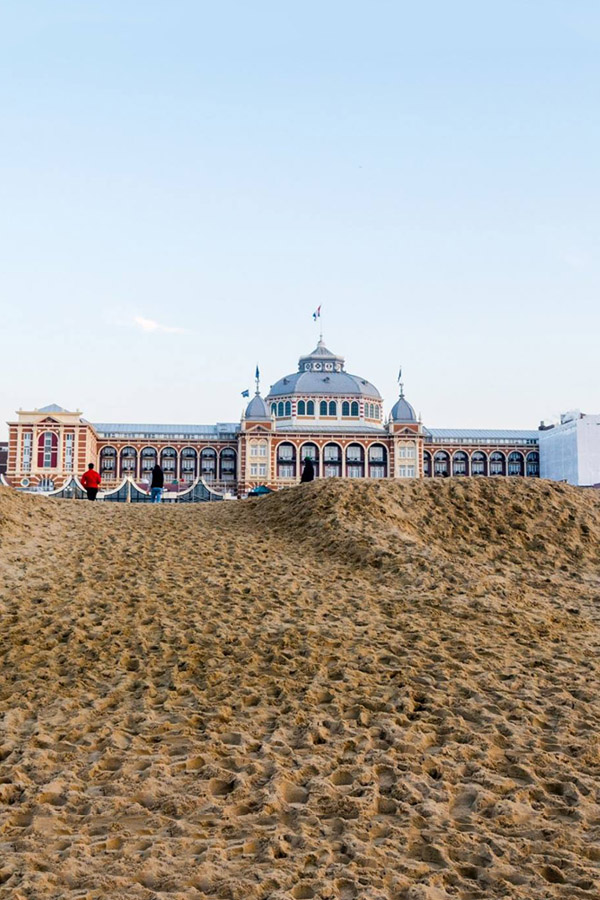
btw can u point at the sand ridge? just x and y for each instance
(339, 691)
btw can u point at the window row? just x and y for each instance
(328, 408)
(441, 465)
(329, 462)
(47, 451)
(186, 465)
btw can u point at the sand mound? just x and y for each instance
(344, 690)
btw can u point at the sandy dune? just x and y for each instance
(339, 691)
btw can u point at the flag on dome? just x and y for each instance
(246, 393)
(317, 313)
(257, 375)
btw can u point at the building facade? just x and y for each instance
(570, 451)
(321, 412)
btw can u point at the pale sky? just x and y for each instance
(182, 183)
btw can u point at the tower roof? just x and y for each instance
(322, 372)
(257, 409)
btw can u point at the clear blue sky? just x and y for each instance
(428, 172)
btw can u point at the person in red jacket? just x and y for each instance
(91, 482)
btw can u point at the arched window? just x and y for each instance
(516, 463)
(355, 461)
(168, 462)
(460, 463)
(332, 461)
(377, 461)
(441, 464)
(301, 408)
(427, 464)
(479, 463)
(323, 408)
(228, 464)
(108, 463)
(208, 464)
(310, 451)
(497, 463)
(286, 460)
(189, 464)
(354, 409)
(533, 464)
(274, 408)
(129, 462)
(332, 408)
(345, 408)
(310, 408)
(288, 409)
(280, 409)
(48, 450)
(147, 461)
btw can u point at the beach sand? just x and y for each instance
(343, 690)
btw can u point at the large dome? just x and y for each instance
(321, 373)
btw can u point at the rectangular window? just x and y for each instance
(262, 469)
(69, 452)
(331, 471)
(354, 471)
(286, 452)
(331, 453)
(377, 472)
(27, 438)
(253, 469)
(286, 471)
(262, 450)
(253, 450)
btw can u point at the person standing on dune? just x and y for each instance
(91, 482)
(308, 473)
(157, 484)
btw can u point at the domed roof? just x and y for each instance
(402, 411)
(257, 409)
(322, 372)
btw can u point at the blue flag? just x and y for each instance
(257, 373)
(246, 393)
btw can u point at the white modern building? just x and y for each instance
(571, 451)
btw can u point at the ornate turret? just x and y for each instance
(257, 410)
(402, 411)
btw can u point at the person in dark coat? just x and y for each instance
(308, 473)
(157, 484)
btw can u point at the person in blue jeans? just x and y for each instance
(157, 484)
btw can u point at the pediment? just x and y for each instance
(48, 420)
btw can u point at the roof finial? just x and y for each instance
(257, 378)
(400, 383)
